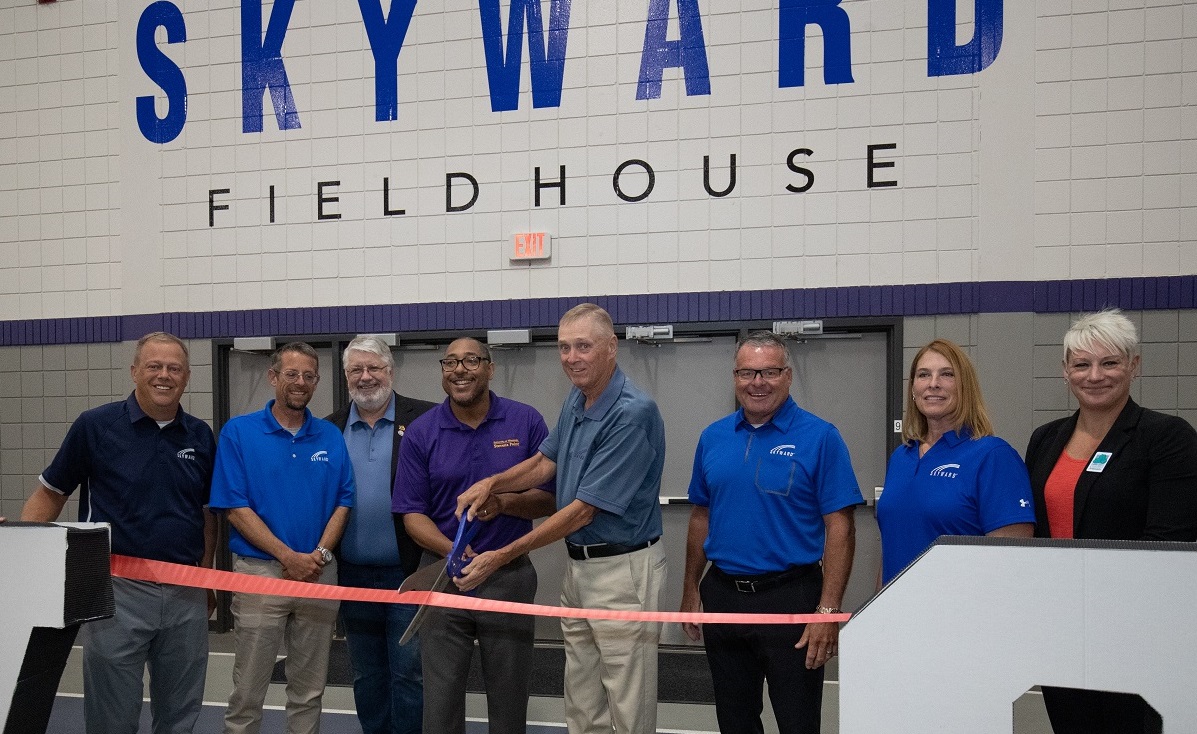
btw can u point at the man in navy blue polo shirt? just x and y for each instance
(470, 436)
(607, 454)
(145, 467)
(773, 493)
(285, 478)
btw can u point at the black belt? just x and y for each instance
(764, 581)
(604, 550)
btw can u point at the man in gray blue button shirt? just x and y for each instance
(376, 552)
(607, 453)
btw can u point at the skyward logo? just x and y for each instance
(786, 449)
(188, 454)
(320, 456)
(944, 470)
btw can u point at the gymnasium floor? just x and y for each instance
(544, 713)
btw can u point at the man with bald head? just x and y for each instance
(473, 434)
(607, 454)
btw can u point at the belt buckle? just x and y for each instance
(745, 586)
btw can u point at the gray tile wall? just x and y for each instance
(43, 389)
(1018, 357)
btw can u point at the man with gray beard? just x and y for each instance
(376, 552)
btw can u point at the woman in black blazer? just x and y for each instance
(1116, 471)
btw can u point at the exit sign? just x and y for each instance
(530, 246)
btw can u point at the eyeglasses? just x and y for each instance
(292, 376)
(769, 373)
(1106, 364)
(471, 363)
(372, 370)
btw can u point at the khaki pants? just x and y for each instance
(263, 624)
(610, 666)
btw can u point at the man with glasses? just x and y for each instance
(472, 435)
(145, 466)
(285, 480)
(773, 493)
(376, 552)
(607, 453)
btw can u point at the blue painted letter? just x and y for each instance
(548, 69)
(386, 40)
(162, 71)
(944, 57)
(794, 17)
(688, 52)
(262, 66)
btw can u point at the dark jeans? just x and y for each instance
(387, 685)
(743, 656)
(1080, 711)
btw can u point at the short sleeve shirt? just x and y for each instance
(611, 456)
(293, 483)
(150, 483)
(768, 489)
(961, 486)
(441, 457)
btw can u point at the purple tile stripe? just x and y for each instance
(1175, 292)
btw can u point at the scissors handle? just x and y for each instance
(466, 530)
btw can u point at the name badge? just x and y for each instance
(1098, 464)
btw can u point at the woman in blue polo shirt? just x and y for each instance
(951, 475)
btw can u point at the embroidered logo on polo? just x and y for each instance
(188, 454)
(320, 456)
(507, 443)
(786, 449)
(945, 470)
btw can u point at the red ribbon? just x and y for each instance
(141, 569)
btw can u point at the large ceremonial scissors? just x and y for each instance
(435, 576)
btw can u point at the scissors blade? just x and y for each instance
(432, 577)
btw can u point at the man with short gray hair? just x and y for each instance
(144, 466)
(376, 552)
(607, 454)
(773, 495)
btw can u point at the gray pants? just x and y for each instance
(160, 625)
(505, 643)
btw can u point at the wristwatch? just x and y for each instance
(325, 554)
(826, 610)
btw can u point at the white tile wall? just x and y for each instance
(1113, 178)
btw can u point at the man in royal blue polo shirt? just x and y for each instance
(607, 454)
(285, 479)
(145, 467)
(773, 493)
(472, 435)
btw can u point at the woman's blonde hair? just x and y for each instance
(970, 406)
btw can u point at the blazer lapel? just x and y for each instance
(1115, 439)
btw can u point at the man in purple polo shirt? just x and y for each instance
(473, 434)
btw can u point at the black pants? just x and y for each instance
(743, 656)
(1080, 711)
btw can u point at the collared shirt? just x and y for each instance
(369, 538)
(611, 456)
(440, 458)
(150, 483)
(293, 483)
(961, 486)
(768, 489)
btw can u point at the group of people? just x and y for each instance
(364, 498)
(1113, 470)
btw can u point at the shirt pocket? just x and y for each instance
(775, 475)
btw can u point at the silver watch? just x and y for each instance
(325, 554)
